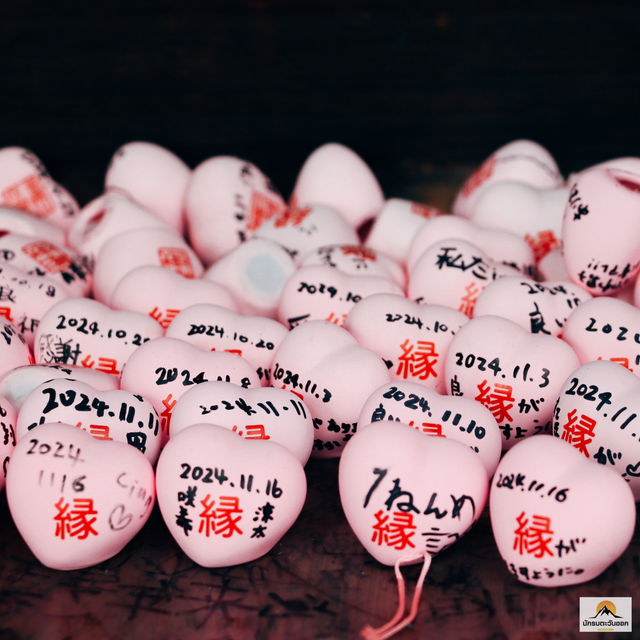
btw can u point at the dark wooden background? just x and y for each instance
(423, 92)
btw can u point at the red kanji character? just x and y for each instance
(530, 537)
(75, 522)
(207, 516)
(165, 318)
(227, 524)
(256, 432)
(292, 216)
(237, 352)
(468, 302)
(425, 211)
(432, 429)
(542, 244)
(396, 533)
(165, 416)
(108, 365)
(498, 401)
(581, 434)
(339, 320)
(262, 208)
(417, 362)
(5, 312)
(29, 194)
(480, 175)
(87, 362)
(363, 253)
(623, 361)
(177, 259)
(47, 255)
(100, 431)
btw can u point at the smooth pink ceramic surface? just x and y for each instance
(501, 246)
(18, 383)
(515, 374)
(397, 224)
(162, 293)
(324, 293)
(227, 199)
(25, 184)
(336, 176)
(226, 500)
(452, 273)
(301, 230)
(537, 307)
(523, 161)
(324, 366)
(355, 259)
(552, 267)
(105, 415)
(597, 413)
(86, 333)
(106, 216)
(605, 329)
(213, 328)
(254, 273)
(14, 351)
(600, 230)
(153, 176)
(412, 339)
(557, 518)
(7, 436)
(28, 224)
(404, 494)
(126, 251)
(267, 414)
(436, 415)
(161, 370)
(76, 501)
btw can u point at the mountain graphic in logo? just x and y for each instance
(606, 608)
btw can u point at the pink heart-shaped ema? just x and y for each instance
(523, 161)
(252, 414)
(324, 366)
(537, 308)
(411, 338)
(18, 383)
(163, 294)
(86, 333)
(605, 329)
(152, 176)
(75, 501)
(161, 370)
(213, 328)
(600, 230)
(126, 251)
(226, 500)
(255, 274)
(404, 494)
(106, 216)
(532, 213)
(597, 413)
(502, 246)
(515, 374)
(452, 273)
(336, 176)
(323, 293)
(226, 200)
(28, 224)
(26, 185)
(104, 415)
(395, 227)
(432, 414)
(26, 298)
(301, 230)
(7, 436)
(544, 502)
(14, 351)
(357, 260)
(48, 261)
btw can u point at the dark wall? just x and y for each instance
(414, 88)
